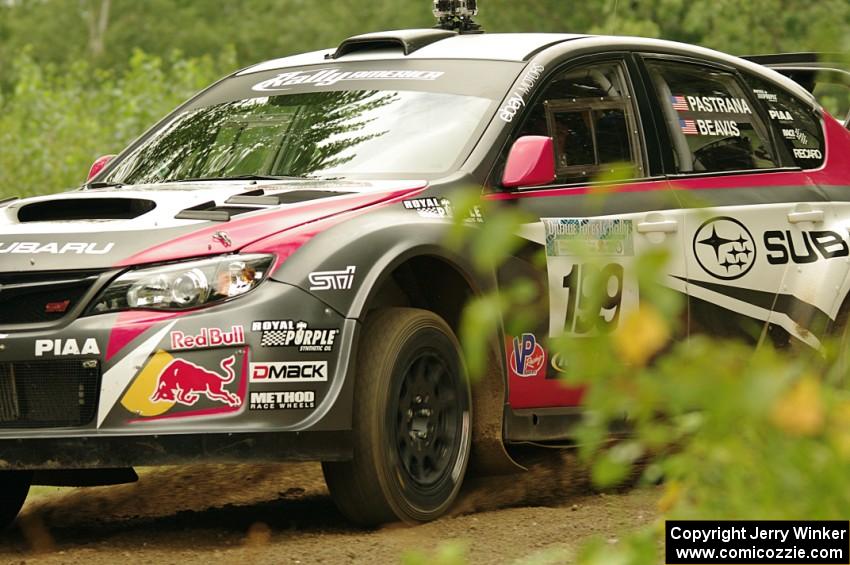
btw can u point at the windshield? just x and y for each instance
(362, 133)
(404, 119)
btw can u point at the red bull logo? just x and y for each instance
(527, 357)
(208, 337)
(184, 382)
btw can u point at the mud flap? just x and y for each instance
(489, 456)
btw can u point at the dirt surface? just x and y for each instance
(283, 514)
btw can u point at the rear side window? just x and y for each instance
(795, 123)
(712, 124)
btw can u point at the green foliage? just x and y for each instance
(54, 123)
(83, 78)
(448, 553)
(735, 432)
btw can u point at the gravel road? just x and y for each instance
(283, 514)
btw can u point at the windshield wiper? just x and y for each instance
(237, 177)
(104, 185)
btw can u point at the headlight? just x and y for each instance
(182, 286)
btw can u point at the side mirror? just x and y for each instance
(98, 166)
(531, 162)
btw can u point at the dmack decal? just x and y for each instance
(208, 337)
(66, 347)
(289, 371)
(54, 248)
(329, 77)
(527, 358)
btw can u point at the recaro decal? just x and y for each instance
(55, 248)
(332, 76)
(724, 248)
(808, 154)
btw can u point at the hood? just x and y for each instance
(116, 227)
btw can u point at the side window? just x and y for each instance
(589, 114)
(794, 122)
(712, 126)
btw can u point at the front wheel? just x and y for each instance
(412, 422)
(14, 487)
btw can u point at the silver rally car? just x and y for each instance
(262, 276)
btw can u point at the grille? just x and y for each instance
(37, 394)
(34, 298)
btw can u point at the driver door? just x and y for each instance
(588, 232)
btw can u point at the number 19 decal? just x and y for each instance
(594, 297)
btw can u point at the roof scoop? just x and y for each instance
(407, 41)
(82, 209)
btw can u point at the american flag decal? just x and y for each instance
(679, 103)
(689, 127)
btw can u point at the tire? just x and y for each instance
(14, 487)
(412, 422)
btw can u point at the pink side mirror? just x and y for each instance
(98, 166)
(531, 162)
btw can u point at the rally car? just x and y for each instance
(263, 275)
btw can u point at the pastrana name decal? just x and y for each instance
(329, 77)
(288, 333)
(713, 104)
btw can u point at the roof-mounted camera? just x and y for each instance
(456, 15)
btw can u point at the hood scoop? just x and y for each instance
(260, 198)
(211, 212)
(76, 209)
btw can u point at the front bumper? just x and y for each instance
(212, 381)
